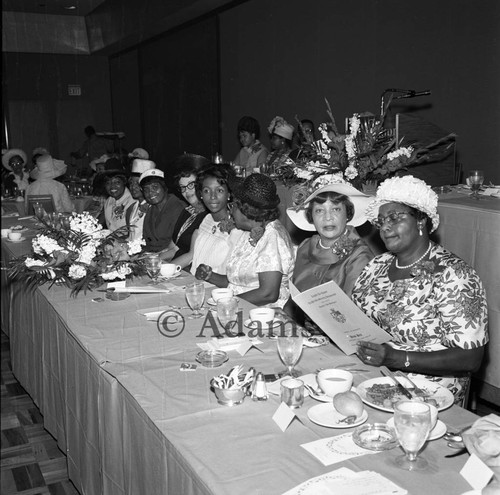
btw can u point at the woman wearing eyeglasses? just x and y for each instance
(182, 247)
(430, 301)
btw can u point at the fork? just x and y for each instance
(415, 389)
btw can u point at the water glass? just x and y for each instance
(289, 350)
(475, 181)
(412, 421)
(195, 296)
(152, 264)
(227, 312)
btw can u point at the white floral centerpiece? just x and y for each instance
(367, 154)
(81, 257)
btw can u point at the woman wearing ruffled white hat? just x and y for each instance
(429, 300)
(281, 136)
(44, 173)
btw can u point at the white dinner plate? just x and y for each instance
(323, 397)
(437, 432)
(442, 396)
(18, 240)
(327, 415)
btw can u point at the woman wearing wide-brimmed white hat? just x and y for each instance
(44, 173)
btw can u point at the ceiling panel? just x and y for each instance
(52, 7)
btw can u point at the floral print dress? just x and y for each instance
(443, 305)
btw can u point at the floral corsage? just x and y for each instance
(255, 234)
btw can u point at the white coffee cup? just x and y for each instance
(169, 269)
(434, 415)
(334, 381)
(264, 315)
(14, 236)
(5, 232)
(221, 294)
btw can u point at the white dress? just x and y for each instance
(212, 247)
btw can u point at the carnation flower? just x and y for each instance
(350, 147)
(400, 152)
(351, 172)
(303, 174)
(77, 271)
(354, 124)
(135, 246)
(85, 223)
(44, 244)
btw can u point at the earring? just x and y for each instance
(420, 230)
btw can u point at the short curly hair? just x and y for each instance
(222, 172)
(335, 198)
(249, 124)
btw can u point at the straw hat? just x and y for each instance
(48, 168)
(409, 191)
(357, 198)
(9, 154)
(257, 190)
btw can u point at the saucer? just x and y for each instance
(255, 324)
(437, 432)
(18, 240)
(327, 415)
(211, 301)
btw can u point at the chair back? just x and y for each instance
(45, 200)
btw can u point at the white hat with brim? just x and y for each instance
(139, 153)
(139, 166)
(407, 190)
(48, 168)
(154, 172)
(9, 154)
(357, 198)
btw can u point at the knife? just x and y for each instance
(386, 372)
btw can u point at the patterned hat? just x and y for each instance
(257, 190)
(154, 172)
(281, 127)
(9, 154)
(409, 191)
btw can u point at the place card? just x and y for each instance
(476, 472)
(117, 285)
(246, 346)
(283, 416)
(335, 449)
(229, 344)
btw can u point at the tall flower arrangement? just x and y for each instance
(367, 153)
(81, 257)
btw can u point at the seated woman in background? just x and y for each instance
(15, 176)
(162, 214)
(260, 266)
(430, 301)
(253, 153)
(44, 173)
(281, 136)
(183, 237)
(217, 235)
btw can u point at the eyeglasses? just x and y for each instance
(189, 185)
(392, 219)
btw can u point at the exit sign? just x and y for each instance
(74, 90)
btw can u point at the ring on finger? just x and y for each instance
(368, 358)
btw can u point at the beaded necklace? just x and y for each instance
(404, 267)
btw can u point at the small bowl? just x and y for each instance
(334, 381)
(228, 397)
(264, 315)
(375, 436)
(5, 232)
(211, 359)
(14, 236)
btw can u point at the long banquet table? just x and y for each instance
(111, 392)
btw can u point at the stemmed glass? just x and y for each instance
(289, 350)
(227, 310)
(195, 296)
(475, 180)
(153, 267)
(412, 420)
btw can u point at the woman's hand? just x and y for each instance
(373, 354)
(203, 272)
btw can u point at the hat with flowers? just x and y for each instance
(409, 191)
(139, 153)
(281, 127)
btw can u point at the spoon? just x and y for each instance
(348, 420)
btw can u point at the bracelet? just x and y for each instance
(407, 362)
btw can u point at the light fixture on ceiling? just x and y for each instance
(70, 7)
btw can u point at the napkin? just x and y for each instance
(348, 482)
(335, 449)
(227, 344)
(491, 191)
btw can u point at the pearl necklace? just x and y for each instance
(333, 246)
(404, 267)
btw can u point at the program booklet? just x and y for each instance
(333, 311)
